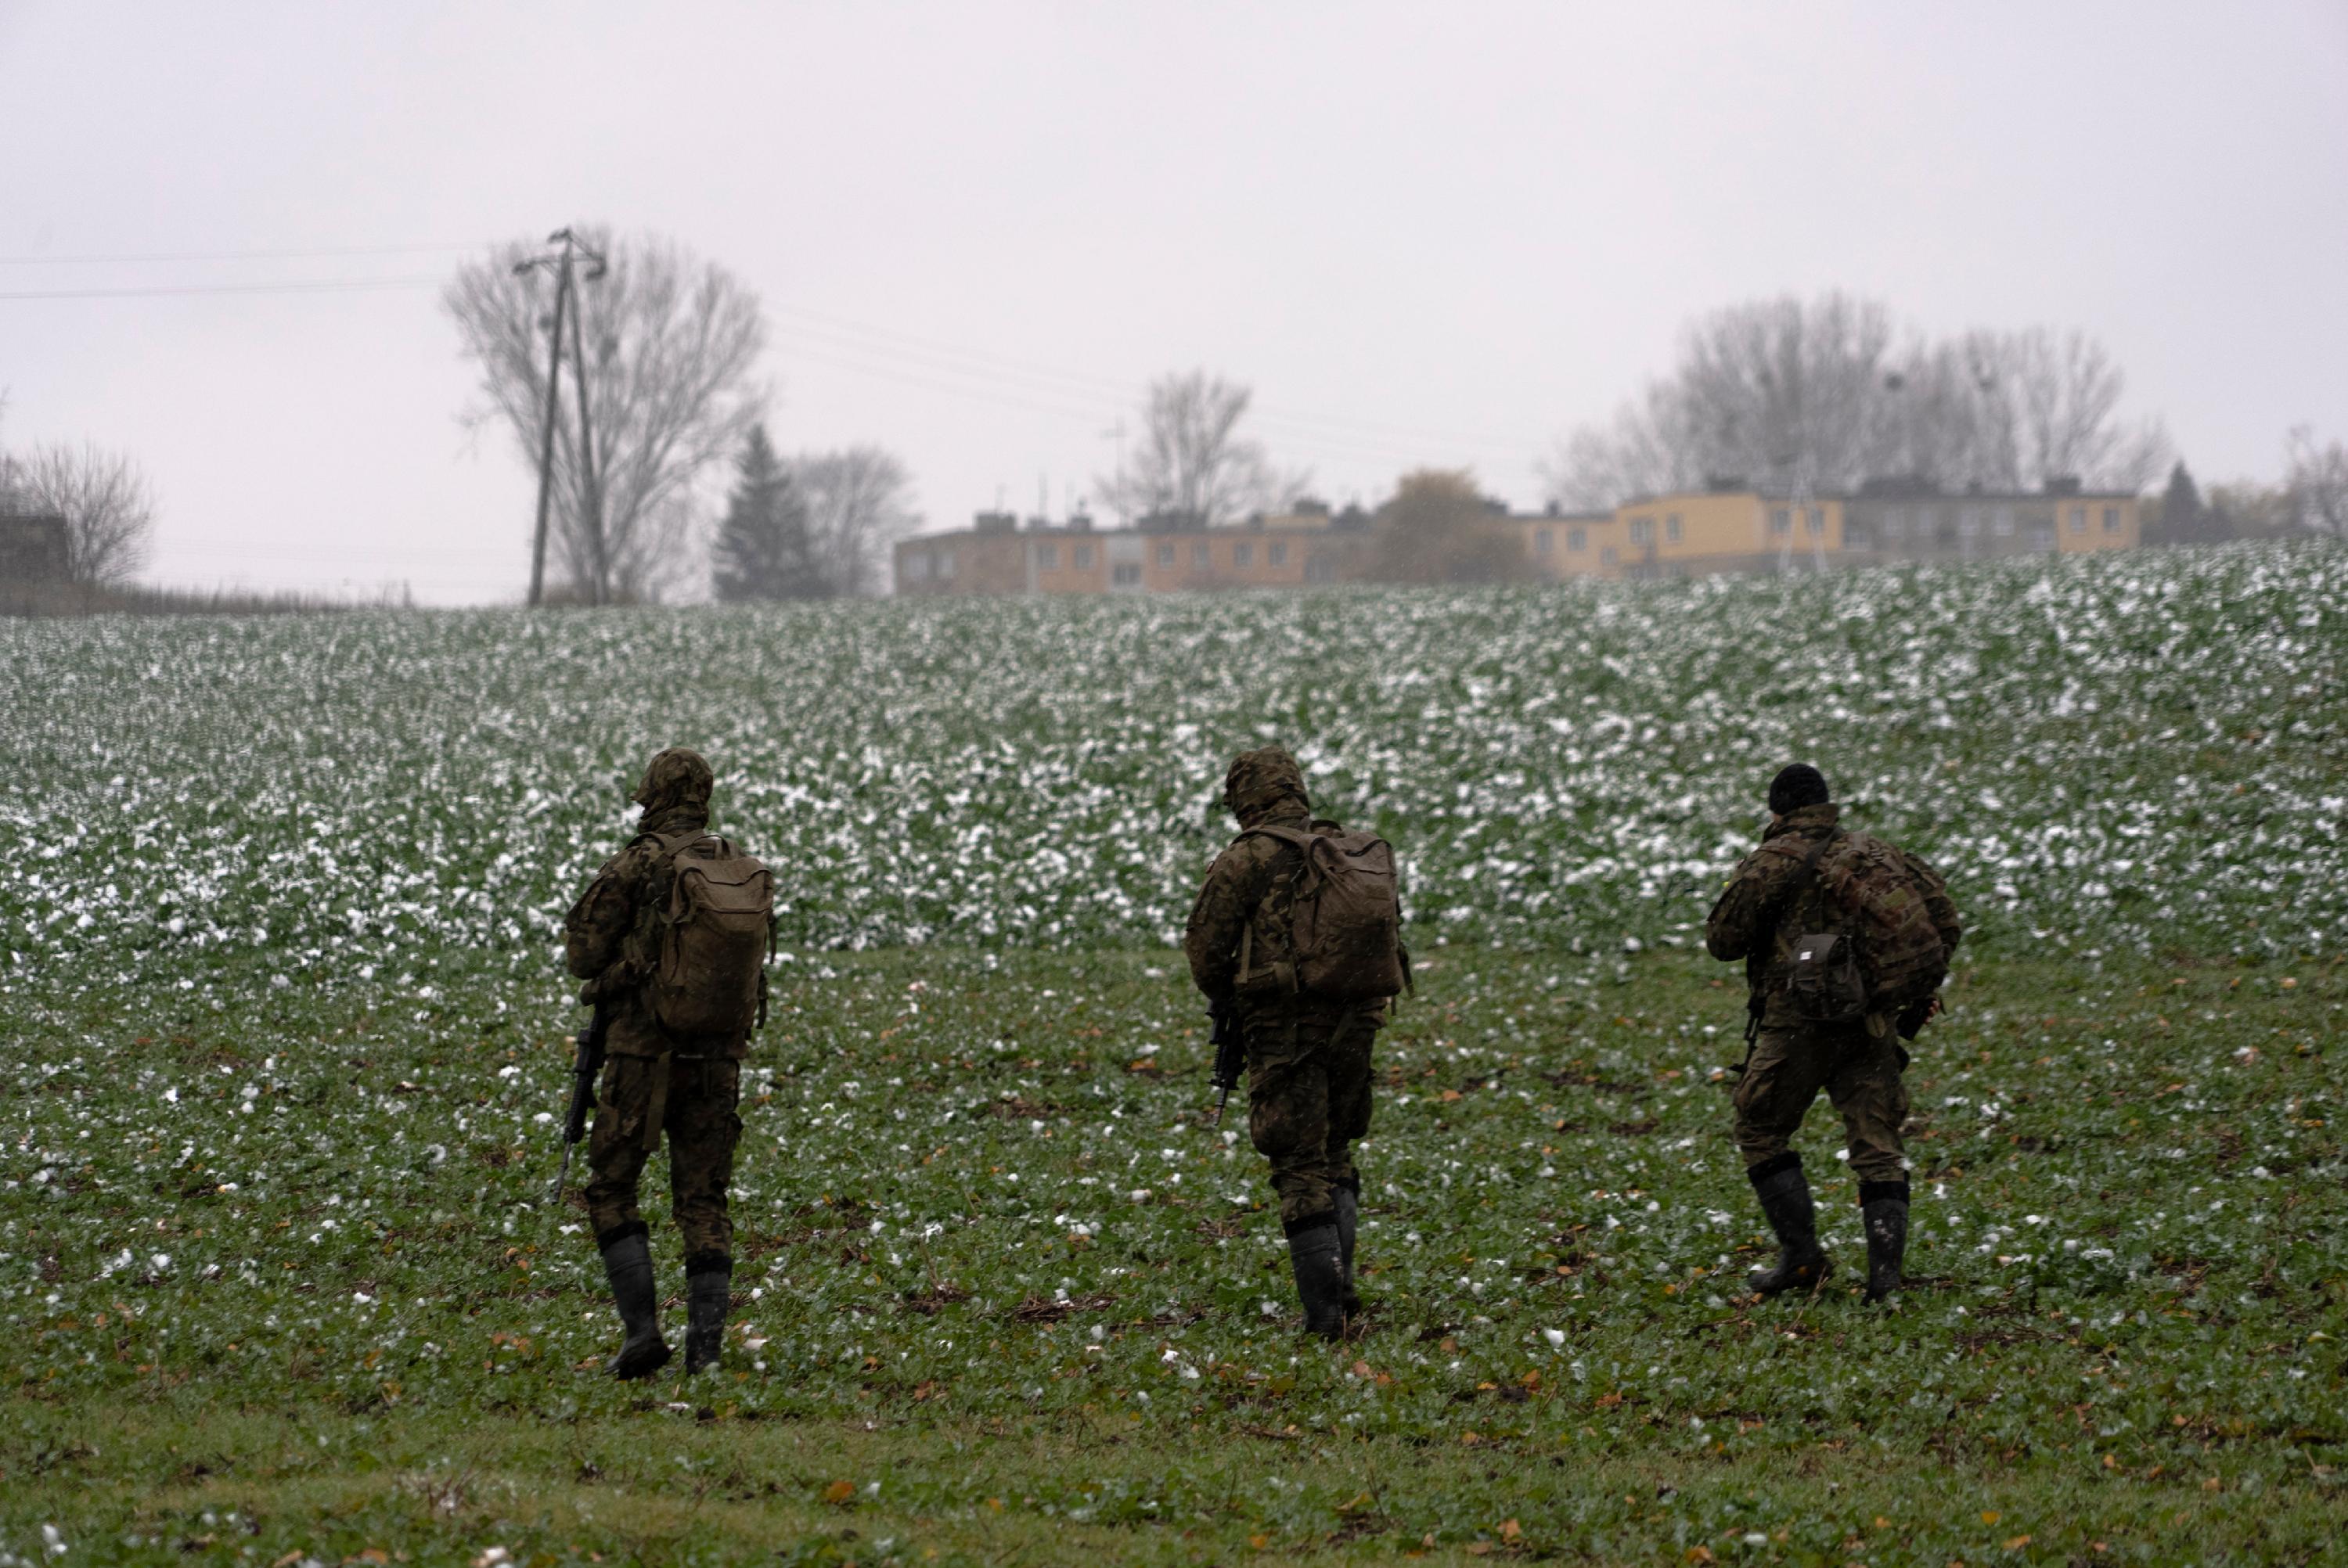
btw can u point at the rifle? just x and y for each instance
(1230, 1054)
(1752, 1010)
(585, 1066)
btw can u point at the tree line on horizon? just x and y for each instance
(1782, 393)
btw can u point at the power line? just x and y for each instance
(322, 286)
(131, 257)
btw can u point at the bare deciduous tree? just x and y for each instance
(1193, 463)
(1784, 391)
(859, 503)
(671, 343)
(110, 512)
(2317, 479)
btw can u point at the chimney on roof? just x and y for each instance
(994, 523)
(2062, 483)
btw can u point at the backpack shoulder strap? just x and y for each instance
(1802, 878)
(1295, 835)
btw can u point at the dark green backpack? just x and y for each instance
(1883, 953)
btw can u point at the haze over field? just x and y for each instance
(1423, 236)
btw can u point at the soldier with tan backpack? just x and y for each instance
(1296, 941)
(673, 938)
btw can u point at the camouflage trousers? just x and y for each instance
(692, 1100)
(1860, 1074)
(1308, 1101)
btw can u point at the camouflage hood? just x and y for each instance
(674, 793)
(1264, 784)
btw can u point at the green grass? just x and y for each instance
(281, 1278)
(912, 1192)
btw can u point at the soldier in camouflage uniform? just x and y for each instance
(1773, 897)
(1308, 1058)
(655, 1082)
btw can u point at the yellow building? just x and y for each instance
(1687, 534)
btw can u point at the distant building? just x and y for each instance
(1163, 554)
(1730, 527)
(1906, 520)
(32, 545)
(1696, 533)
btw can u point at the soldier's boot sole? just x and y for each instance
(639, 1359)
(1883, 1206)
(1785, 1196)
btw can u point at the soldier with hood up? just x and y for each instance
(1308, 1052)
(656, 1078)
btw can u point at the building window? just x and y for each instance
(1276, 553)
(917, 565)
(2111, 519)
(2000, 523)
(1895, 525)
(1671, 528)
(1243, 554)
(1543, 538)
(945, 563)
(1642, 530)
(1083, 558)
(1047, 558)
(1577, 538)
(1817, 521)
(2078, 519)
(1969, 524)
(1126, 575)
(1201, 557)
(1781, 522)
(1166, 555)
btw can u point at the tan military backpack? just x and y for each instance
(1345, 930)
(716, 935)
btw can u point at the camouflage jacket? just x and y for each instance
(610, 938)
(1245, 901)
(1741, 926)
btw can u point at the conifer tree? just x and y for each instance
(762, 550)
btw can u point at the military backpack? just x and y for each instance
(714, 935)
(1883, 954)
(1345, 915)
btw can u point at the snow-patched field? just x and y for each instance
(2137, 750)
(280, 1273)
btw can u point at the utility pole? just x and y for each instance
(588, 480)
(559, 263)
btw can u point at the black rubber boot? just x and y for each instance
(1317, 1256)
(1349, 1210)
(628, 1264)
(1784, 1195)
(709, 1291)
(1883, 1206)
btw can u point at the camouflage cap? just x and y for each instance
(678, 776)
(1261, 780)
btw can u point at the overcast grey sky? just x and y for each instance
(1426, 234)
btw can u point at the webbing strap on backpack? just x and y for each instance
(1801, 881)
